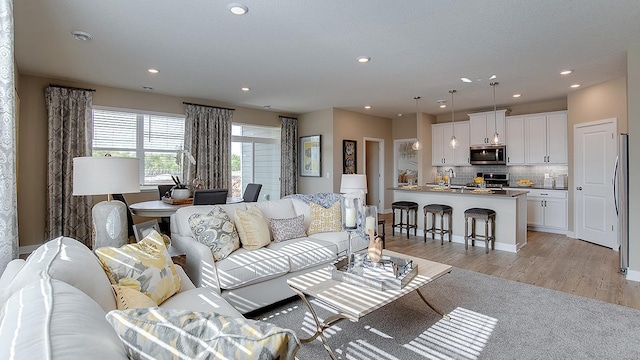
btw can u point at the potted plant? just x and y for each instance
(179, 190)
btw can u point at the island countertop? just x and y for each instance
(463, 191)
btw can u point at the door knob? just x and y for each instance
(579, 188)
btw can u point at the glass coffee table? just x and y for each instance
(355, 301)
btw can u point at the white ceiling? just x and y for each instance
(299, 56)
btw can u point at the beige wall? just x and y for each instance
(32, 148)
(348, 125)
(318, 123)
(598, 102)
(633, 95)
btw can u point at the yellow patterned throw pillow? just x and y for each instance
(158, 333)
(324, 219)
(128, 298)
(145, 266)
(252, 228)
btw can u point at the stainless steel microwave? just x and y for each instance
(488, 155)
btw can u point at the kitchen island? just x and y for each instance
(510, 207)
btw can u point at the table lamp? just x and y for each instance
(106, 175)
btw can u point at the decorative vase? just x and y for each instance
(375, 248)
(179, 194)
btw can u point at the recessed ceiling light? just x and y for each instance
(467, 80)
(517, 95)
(400, 114)
(81, 35)
(566, 72)
(267, 107)
(245, 89)
(443, 103)
(237, 9)
(367, 107)
(153, 71)
(363, 59)
(147, 87)
(575, 86)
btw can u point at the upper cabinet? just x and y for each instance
(546, 138)
(483, 125)
(441, 152)
(515, 139)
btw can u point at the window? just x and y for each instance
(255, 158)
(154, 139)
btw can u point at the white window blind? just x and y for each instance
(154, 139)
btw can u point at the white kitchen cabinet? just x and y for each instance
(461, 154)
(483, 125)
(515, 139)
(547, 210)
(441, 153)
(546, 138)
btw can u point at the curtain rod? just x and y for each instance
(70, 87)
(288, 117)
(209, 106)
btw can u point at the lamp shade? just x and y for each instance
(105, 175)
(353, 182)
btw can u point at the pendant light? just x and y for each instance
(454, 142)
(417, 145)
(496, 136)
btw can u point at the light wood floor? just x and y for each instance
(547, 260)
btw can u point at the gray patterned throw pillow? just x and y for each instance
(285, 229)
(215, 230)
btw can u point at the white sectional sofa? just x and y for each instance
(53, 306)
(251, 279)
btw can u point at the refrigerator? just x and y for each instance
(621, 198)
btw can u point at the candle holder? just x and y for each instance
(370, 222)
(350, 211)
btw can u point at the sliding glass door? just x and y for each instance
(255, 158)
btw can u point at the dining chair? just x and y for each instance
(164, 189)
(252, 192)
(165, 224)
(210, 197)
(120, 197)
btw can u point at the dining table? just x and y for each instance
(159, 208)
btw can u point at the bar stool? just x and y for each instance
(442, 210)
(382, 234)
(482, 214)
(407, 206)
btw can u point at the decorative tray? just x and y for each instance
(172, 201)
(485, 191)
(391, 273)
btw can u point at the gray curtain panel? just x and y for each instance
(8, 141)
(289, 156)
(69, 118)
(207, 136)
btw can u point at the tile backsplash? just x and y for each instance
(465, 174)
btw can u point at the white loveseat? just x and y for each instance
(251, 279)
(53, 305)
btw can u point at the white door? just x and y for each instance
(477, 129)
(535, 212)
(595, 151)
(447, 150)
(555, 213)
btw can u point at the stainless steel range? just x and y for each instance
(492, 180)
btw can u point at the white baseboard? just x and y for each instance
(27, 249)
(633, 275)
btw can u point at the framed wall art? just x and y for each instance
(310, 156)
(349, 157)
(141, 230)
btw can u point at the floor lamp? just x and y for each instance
(106, 175)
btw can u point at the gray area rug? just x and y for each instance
(491, 318)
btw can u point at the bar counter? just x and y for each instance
(510, 207)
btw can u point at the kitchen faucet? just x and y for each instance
(451, 173)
